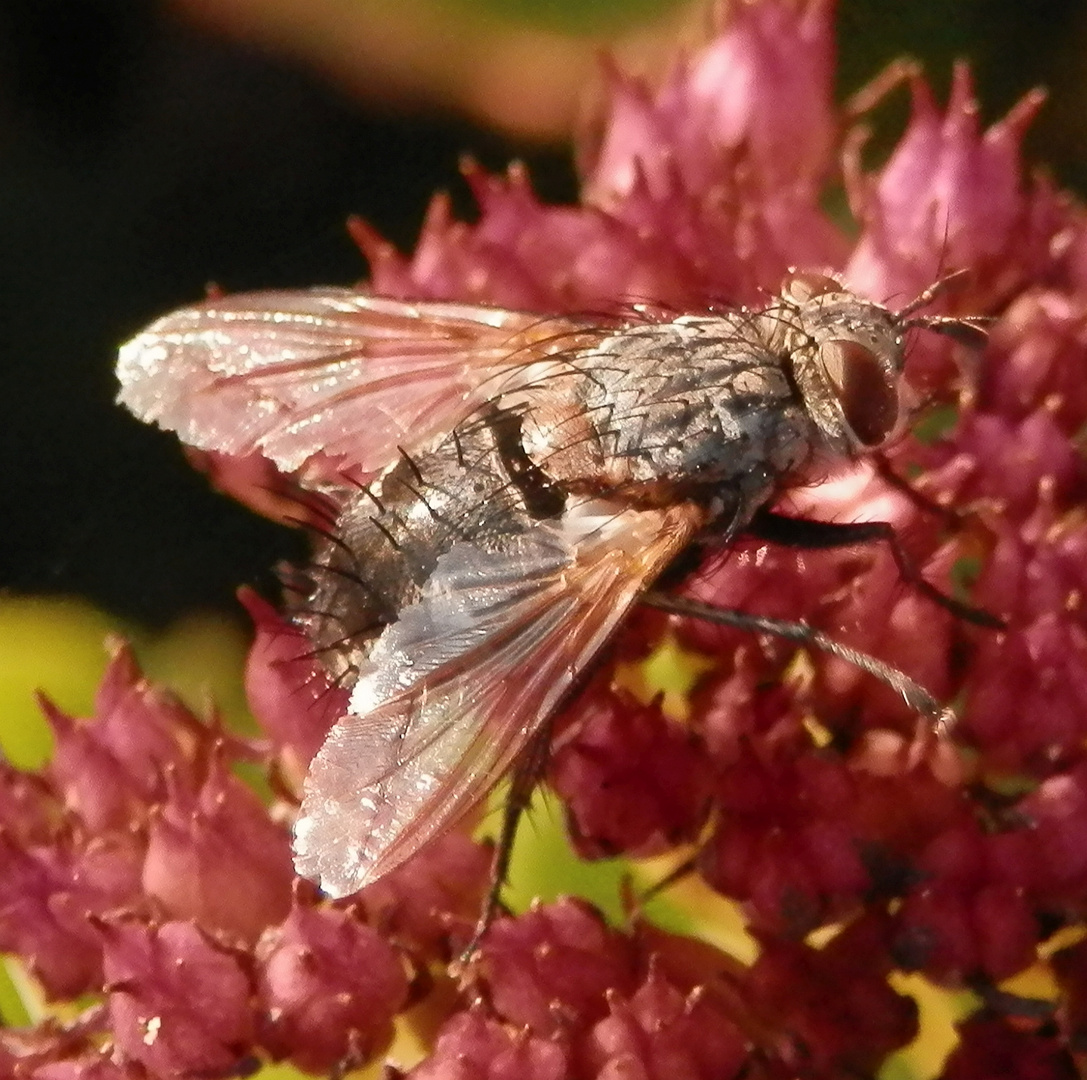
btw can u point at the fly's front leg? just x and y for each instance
(804, 533)
(886, 472)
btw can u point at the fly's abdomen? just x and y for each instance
(477, 484)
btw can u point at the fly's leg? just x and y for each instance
(801, 532)
(923, 502)
(523, 780)
(912, 692)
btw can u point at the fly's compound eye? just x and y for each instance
(802, 286)
(869, 399)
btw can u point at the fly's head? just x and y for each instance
(846, 355)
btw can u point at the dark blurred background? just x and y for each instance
(146, 150)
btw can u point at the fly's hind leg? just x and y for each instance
(804, 533)
(526, 774)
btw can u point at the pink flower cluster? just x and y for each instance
(139, 868)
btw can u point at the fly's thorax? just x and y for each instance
(656, 410)
(845, 356)
(558, 433)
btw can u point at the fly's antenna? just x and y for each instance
(967, 330)
(937, 288)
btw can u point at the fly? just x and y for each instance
(504, 488)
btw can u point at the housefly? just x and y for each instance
(505, 487)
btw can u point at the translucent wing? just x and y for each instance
(461, 682)
(328, 374)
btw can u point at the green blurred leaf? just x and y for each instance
(201, 658)
(936, 423)
(567, 16)
(58, 646)
(544, 866)
(13, 1008)
(53, 645)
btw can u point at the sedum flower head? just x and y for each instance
(141, 875)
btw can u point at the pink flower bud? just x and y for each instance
(832, 1008)
(329, 986)
(48, 896)
(29, 810)
(1035, 360)
(951, 196)
(432, 903)
(178, 1004)
(288, 690)
(661, 1034)
(93, 1066)
(215, 856)
(550, 968)
(632, 781)
(760, 92)
(474, 1046)
(990, 1048)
